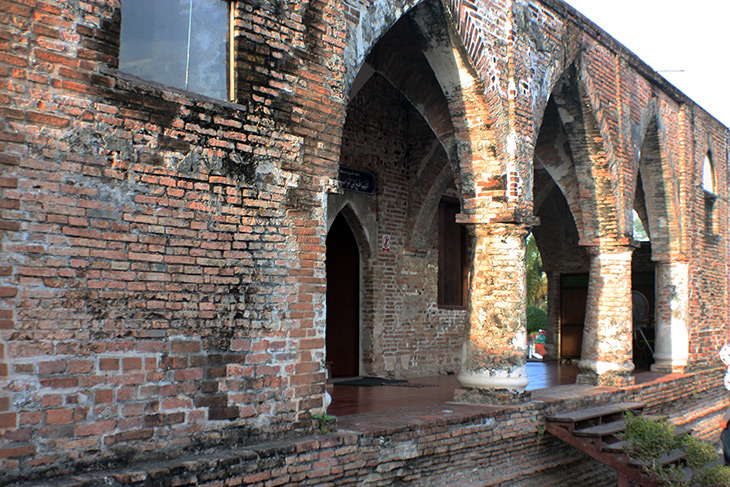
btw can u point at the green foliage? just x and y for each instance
(536, 319)
(639, 230)
(648, 440)
(536, 278)
(325, 422)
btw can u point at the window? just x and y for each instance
(708, 184)
(708, 175)
(710, 213)
(181, 43)
(453, 262)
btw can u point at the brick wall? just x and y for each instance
(708, 246)
(447, 444)
(162, 279)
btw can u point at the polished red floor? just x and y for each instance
(544, 377)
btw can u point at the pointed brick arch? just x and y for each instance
(661, 195)
(592, 155)
(354, 221)
(553, 153)
(366, 25)
(398, 58)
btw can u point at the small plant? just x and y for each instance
(648, 440)
(325, 422)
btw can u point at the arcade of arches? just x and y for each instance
(355, 186)
(570, 178)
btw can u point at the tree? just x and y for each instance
(536, 287)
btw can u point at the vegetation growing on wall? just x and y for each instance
(650, 441)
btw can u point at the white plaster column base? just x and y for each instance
(599, 373)
(516, 381)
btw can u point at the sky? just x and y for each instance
(686, 41)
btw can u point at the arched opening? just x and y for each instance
(708, 175)
(343, 300)
(398, 133)
(710, 194)
(643, 285)
(656, 201)
(564, 261)
(537, 300)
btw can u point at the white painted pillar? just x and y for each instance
(671, 336)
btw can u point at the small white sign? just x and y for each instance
(386, 243)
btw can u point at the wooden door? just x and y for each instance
(343, 300)
(573, 296)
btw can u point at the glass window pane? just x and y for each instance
(154, 43)
(209, 48)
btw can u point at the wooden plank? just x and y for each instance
(673, 456)
(602, 429)
(619, 446)
(597, 412)
(629, 472)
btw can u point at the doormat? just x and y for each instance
(368, 382)
(411, 384)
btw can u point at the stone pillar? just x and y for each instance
(494, 355)
(671, 338)
(607, 353)
(552, 351)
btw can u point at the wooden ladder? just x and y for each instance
(597, 432)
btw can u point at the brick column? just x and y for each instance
(671, 339)
(607, 353)
(495, 349)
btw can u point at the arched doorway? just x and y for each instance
(343, 300)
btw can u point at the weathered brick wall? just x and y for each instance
(162, 276)
(708, 248)
(163, 253)
(654, 132)
(439, 445)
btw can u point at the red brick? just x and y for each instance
(94, 429)
(103, 396)
(131, 363)
(8, 420)
(109, 364)
(59, 416)
(52, 367)
(17, 452)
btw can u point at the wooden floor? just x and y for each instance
(544, 379)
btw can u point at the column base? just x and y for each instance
(492, 397)
(605, 374)
(496, 388)
(668, 368)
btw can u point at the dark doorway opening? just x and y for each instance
(343, 300)
(573, 296)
